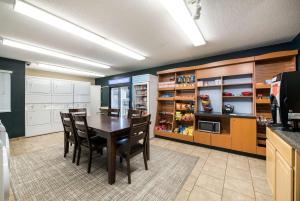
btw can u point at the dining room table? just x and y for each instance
(111, 128)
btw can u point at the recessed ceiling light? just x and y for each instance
(180, 13)
(67, 70)
(53, 53)
(64, 25)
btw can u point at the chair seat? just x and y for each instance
(137, 148)
(122, 140)
(96, 142)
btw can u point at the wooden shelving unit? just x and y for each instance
(166, 98)
(237, 96)
(263, 101)
(166, 89)
(179, 93)
(267, 66)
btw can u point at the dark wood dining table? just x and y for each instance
(111, 128)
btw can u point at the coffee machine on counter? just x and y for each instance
(285, 100)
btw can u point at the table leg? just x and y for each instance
(111, 157)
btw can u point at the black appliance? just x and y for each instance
(285, 99)
(209, 126)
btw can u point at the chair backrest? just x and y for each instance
(78, 110)
(139, 129)
(68, 124)
(104, 111)
(134, 113)
(113, 112)
(81, 127)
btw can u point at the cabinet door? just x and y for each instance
(62, 87)
(221, 140)
(202, 137)
(243, 134)
(270, 163)
(82, 89)
(284, 179)
(38, 85)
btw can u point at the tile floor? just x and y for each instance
(216, 176)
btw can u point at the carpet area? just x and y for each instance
(45, 175)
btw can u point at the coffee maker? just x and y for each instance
(285, 99)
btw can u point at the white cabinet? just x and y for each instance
(35, 85)
(82, 88)
(46, 98)
(38, 119)
(38, 90)
(56, 120)
(82, 92)
(62, 87)
(62, 91)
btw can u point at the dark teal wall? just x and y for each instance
(296, 45)
(14, 121)
(245, 53)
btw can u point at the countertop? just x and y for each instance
(219, 114)
(292, 138)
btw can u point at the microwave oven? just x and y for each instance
(209, 126)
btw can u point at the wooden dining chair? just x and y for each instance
(69, 134)
(138, 132)
(134, 113)
(113, 112)
(103, 111)
(87, 139)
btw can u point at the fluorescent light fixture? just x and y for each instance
(52, 53)
(67, 70)
(179, 11)
(64, 25)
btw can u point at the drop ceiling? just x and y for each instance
(145, 26)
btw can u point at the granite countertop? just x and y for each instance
(219, 114)
(292, 138)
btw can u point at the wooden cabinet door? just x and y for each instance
(297, 177)
(243, 134)
(284, 179)
(270, 164)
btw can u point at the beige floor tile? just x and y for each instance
(200, 194)
(238, 163)
(183, 195)
(257, 163)
(159, 142)
(216, 162)
(210, 183)
(198, 168)
(258, 172)
(229, 195)
(239, 186)
(238, 173)
(213, 171)
(237, 157)
(190, 183)
(219, 154)
(263, 197)
(262, 186)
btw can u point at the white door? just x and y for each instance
(95, 103)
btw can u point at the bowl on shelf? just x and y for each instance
(247, 93)
(227, 94)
